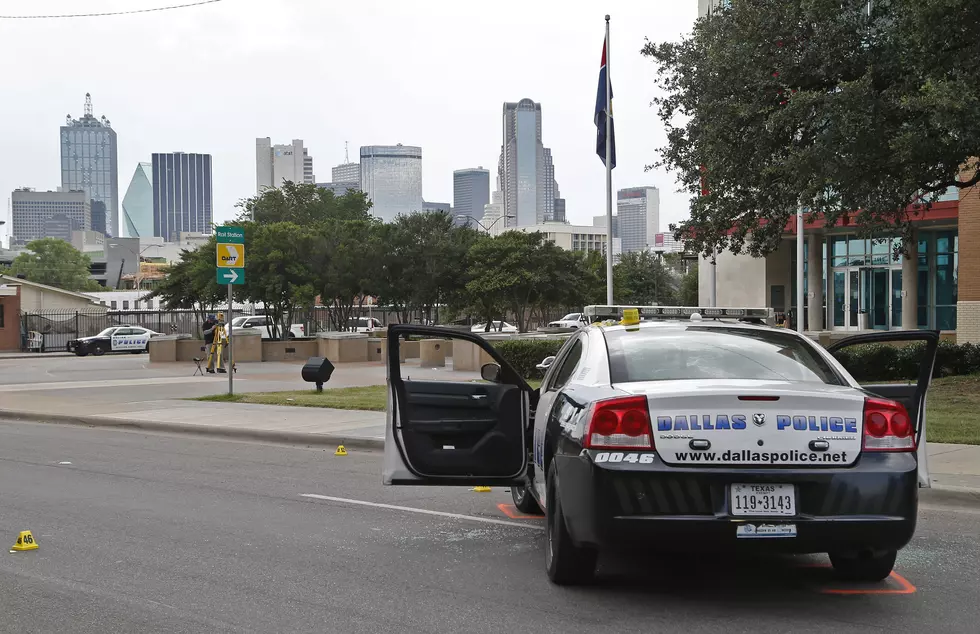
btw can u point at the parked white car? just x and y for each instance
(571, 320)
(261, 323)
(365, 324)
(497, 326)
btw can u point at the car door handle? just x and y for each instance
(477, 397)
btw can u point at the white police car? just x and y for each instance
(133, 339)
(681, 430)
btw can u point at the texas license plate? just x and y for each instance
(762, 500)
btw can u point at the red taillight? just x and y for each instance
(887, 426)
(619, 423)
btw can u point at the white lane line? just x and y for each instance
(408, 509)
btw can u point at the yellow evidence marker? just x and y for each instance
(25, 541)
(340, 451)
(482, 489)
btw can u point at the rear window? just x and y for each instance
(699, 352)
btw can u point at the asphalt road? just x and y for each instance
(158, 533)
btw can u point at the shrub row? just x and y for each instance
(872, 362)
(883, 362)
(524, 354)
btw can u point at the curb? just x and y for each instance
(215, 431)
(947, 494)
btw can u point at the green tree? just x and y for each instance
(822, 105)
(278, 271)
(519, 272)
(303, 204)
(54, 262)
(424, 258)
(349, 265)
(642, 278)
(688, 293)
(190, 283)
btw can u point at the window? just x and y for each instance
(1, 316)
(112, 305)
(568, 364)
(125, 304)
(713, 352)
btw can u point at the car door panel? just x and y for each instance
(911, 394)
(454, 432)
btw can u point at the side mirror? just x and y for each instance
(545, 363)
(490, 372)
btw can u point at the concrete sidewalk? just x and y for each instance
(306, 425)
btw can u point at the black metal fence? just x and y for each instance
(59, 326)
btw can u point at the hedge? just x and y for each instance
(883, 362)
(524, 354)
(870, 362)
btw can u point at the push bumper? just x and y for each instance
(872, 504)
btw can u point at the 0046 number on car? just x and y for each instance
(617, 456)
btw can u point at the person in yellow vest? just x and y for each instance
(219, 334)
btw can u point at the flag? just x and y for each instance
(600, 115)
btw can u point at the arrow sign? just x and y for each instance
(231, 276)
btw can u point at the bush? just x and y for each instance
(884, 362)
(524, 354)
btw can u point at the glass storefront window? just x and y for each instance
(857, 249)
(840, 251)
(896, 298)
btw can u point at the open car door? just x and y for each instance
(912, 393)
(463, 431)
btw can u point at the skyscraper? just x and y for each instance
(638, 211)
(181, 194)
(88, 163)
(525, 171)
(471, 192)
(275, 164)
(48, 215)
(137, 204)
(346, 173)
(391, 176)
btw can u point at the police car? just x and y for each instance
(133, 339)
(678, 429)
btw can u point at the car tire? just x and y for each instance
(566, 563)
(524, 501)
(869, 566)
(98, 350)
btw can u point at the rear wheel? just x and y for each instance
(567, 564)
(524, 501)
(864, 566)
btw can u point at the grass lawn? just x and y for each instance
(372, 397)
(953, 404)
(952, 409)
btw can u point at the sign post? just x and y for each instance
(231, 271)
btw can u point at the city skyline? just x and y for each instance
(221, 52)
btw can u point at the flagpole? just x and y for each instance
(609, 221)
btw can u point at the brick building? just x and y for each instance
(854, 283)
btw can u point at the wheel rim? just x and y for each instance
(518, 493)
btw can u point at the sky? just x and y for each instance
(433, 73)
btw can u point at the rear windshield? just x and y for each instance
(699, 352)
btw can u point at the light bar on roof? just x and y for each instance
(602, 313)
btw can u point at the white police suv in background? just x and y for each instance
(679, 428)
(133, 339)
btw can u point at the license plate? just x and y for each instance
(762, 500)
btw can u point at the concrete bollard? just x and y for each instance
(432, 353)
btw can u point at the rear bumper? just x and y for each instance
(870, 505)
